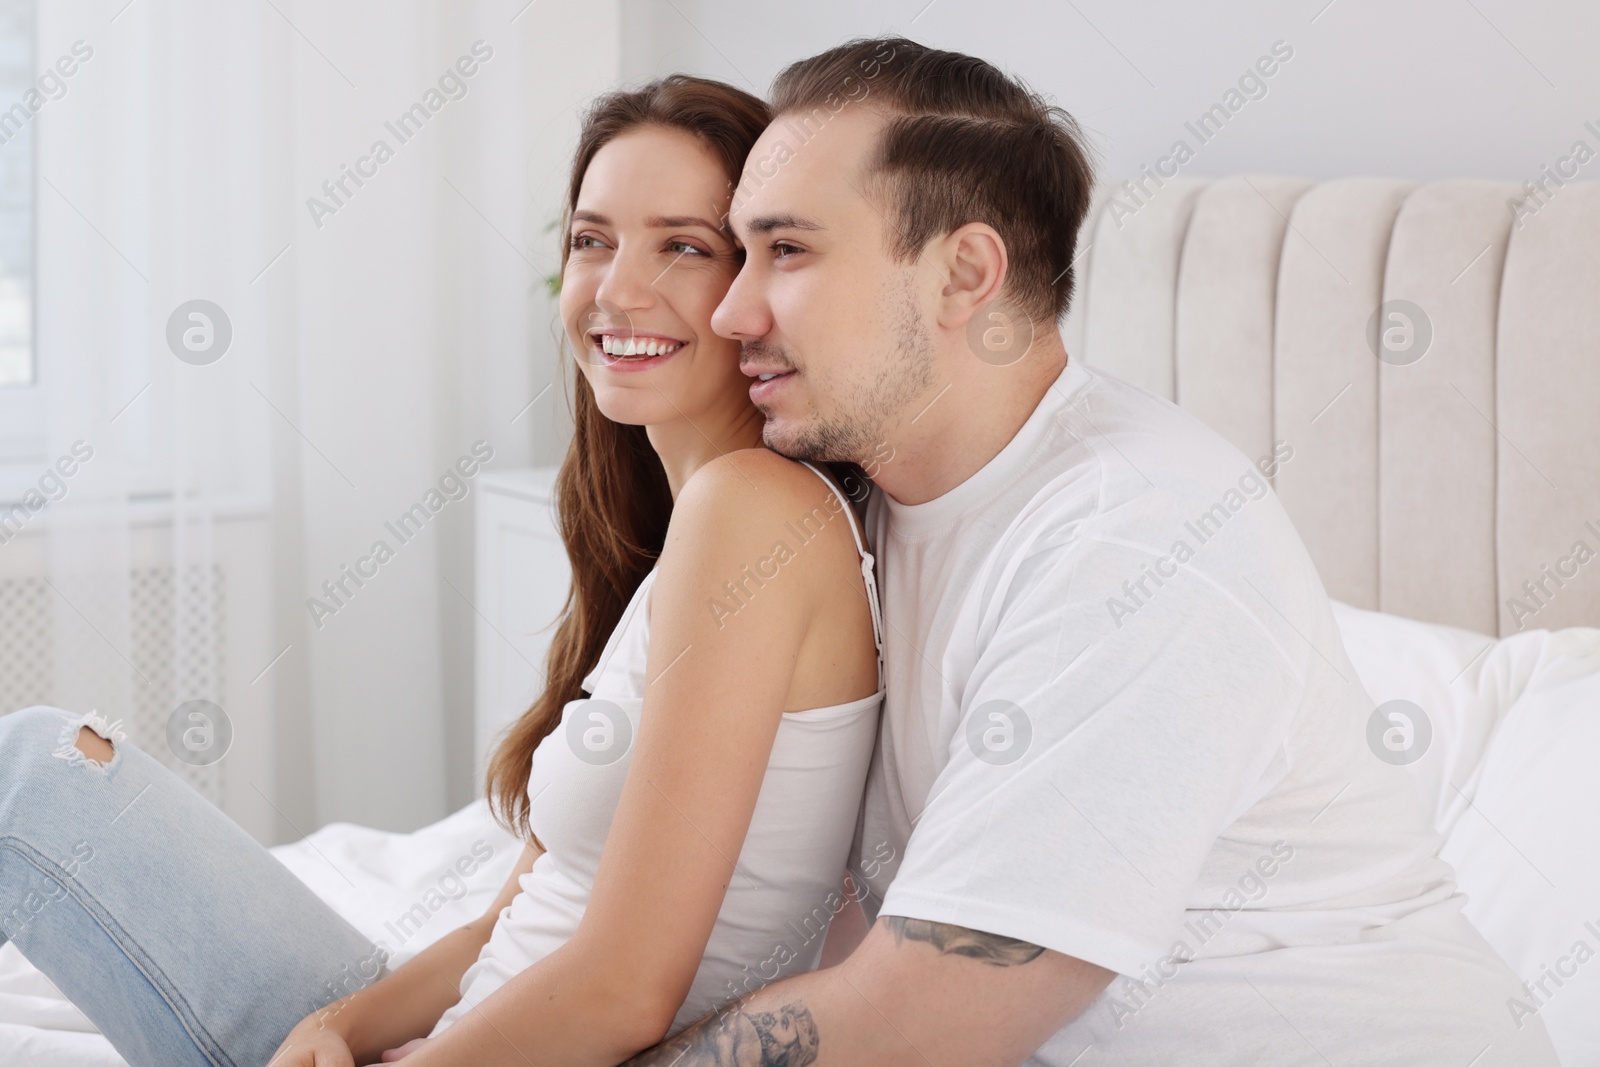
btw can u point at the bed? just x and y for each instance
(1431, 353)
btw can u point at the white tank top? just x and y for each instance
(785, 887)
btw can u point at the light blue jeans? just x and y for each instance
(183, 939)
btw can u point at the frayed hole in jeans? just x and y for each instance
(96, 748)
(89, 739)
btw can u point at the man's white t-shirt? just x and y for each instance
(1120, 724)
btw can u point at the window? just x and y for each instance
(22, 402)
(17, 367)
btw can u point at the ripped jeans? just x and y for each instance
(183, 939)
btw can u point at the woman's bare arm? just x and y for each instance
(717, 691)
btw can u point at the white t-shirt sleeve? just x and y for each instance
(1100, 749)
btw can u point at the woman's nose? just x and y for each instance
(627, 284)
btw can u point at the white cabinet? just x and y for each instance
(521, 584)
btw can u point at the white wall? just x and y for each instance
(1420, 89)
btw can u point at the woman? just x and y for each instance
(687, 820)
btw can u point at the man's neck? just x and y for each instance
(948, 436)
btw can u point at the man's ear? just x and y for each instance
(974, 264)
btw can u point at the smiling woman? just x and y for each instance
(668, 738)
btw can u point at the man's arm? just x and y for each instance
(914, 992)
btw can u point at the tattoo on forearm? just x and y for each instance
(786, 1037)
(959, 941)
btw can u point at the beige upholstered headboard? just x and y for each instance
(1455, 487)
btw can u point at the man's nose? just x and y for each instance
(743, 314)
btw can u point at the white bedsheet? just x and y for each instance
(1508, 780)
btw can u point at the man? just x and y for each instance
(1122, 808)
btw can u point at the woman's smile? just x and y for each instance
(631, 350)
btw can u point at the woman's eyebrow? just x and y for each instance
(673, 222)
(658, 222)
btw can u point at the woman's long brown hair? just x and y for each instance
(612, 497)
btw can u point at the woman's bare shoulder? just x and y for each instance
(755, 480)
(754, 498)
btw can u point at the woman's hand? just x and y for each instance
(406, 1002)
(391, 1055)
(311, 1044)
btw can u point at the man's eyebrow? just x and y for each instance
(767, 223)
(659, 222)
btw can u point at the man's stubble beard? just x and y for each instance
(855, 432)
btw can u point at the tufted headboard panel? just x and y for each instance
(1455, 478)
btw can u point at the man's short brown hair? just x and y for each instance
(964, 143)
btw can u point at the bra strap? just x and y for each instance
(867, 561)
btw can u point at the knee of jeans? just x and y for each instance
(89, 740)
(30, 727)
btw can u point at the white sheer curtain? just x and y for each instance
(371, 347)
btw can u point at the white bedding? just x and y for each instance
(1509, 778)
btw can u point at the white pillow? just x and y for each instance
(1462, 681)
(1512, 778)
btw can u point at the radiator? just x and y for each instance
(231, 598)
